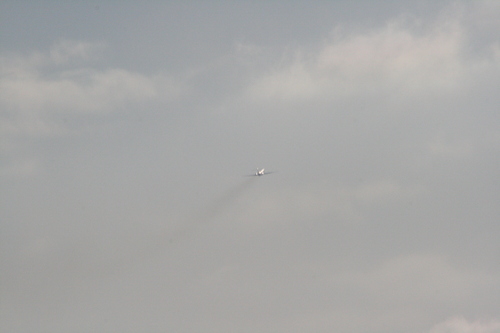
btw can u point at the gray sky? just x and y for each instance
(126, 129)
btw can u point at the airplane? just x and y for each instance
(260, 172)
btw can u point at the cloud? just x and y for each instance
(402, 58)
(66, 50)
(41, 91)
(394, 294)
(442, 147)
(19, 169)
(82, 90)
(343, 205)
(422, 277)
(461, 325)
(35, 88)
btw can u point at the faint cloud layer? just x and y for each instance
(41, 91)
(35, 88)
(343, 204)
(67, 50)
(395, 59)
(461, 325)
(423, 278)
(383, 217)
(19, 169)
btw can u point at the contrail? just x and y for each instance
(192, 224)
(151, 246)
(227, 199)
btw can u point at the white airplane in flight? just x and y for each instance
(260, 172)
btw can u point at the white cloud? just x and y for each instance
(448, 148)
(392, 296)
(246, 49)
(344, 205)
(295, 82)
(66, 50)
(378, 192)
(461, 325)
(29, 86)
(75, 91)
(395, 60)
(39, 91)
(421, 277)
(19, 169)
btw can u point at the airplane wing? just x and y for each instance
(265, 173)
(260, 172)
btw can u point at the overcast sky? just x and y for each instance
(126, 130)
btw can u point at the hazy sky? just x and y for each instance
(126, 129)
